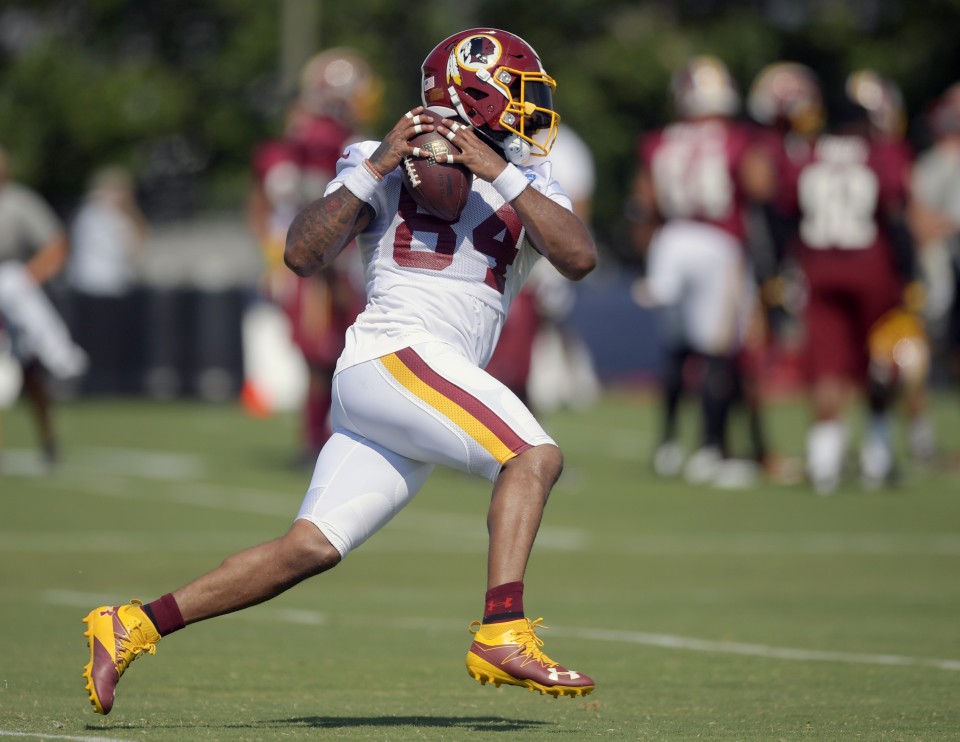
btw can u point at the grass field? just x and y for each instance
(763, 614)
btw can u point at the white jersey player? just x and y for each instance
(410, 391)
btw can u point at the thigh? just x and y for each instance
(430, 404)
(357, 487)
(718, 292)
(669, 256)
(834, 344)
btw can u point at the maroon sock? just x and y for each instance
(165, 614)
(503, 603)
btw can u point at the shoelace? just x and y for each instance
(133, 644)
(531, 643)
(526, 638)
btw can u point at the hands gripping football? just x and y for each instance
(439, 158)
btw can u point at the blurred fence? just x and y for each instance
(178, 334)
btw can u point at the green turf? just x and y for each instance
(765, 614)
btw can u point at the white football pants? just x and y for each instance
(699, 273)
(396, 417)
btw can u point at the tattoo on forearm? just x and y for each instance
(323, 227)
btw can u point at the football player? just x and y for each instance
(694, 180)
(883, 101)
(850, 198)
(936, 222)
(34, 248)
(339, 97)
(410, 391)
(785, 100)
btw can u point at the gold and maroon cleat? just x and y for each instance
(509, 652)
(117, 635)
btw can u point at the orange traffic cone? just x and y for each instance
(254, 401)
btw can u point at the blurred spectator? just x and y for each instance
(935, 219)
(107, 237)
(339, 96)
(883, 101)
(849, 197)
(33, 249)
(694, 180)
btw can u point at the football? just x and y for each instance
(439, 188)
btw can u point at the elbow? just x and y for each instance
(296, 261)
(582, 264)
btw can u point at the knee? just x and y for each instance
(545, 462)
(308, 550)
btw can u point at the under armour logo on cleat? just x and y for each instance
(108, 612)
(555, 674)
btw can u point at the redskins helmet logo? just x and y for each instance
(478, 52)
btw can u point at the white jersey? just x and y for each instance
(427, 279)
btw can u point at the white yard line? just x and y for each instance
(133, 462)
(669, 641)
(664, 641)
(44, 735)
(782, 543)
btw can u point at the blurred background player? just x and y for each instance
(339, 97)
(562, 373)
(849, 198)
(882, 99)
(688, 208)
(107, 238)
(785, 101)
(936, 222)
(540, 356)
(33, 249)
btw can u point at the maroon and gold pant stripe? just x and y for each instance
(459, 406)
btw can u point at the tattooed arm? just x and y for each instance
(322, 229)
(325, 226)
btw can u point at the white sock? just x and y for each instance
(876, 454)
(826, 446)
(922, 438)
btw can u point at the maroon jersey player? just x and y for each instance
(338, 95)
(694, 181)
(849, 198)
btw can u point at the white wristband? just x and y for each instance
(361, 183)
(510, 183)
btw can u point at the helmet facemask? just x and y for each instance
(529, 117)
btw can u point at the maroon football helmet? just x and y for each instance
(704, 87)
(341, 84)
(882, 98)
(787, 95)
(494, 80)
